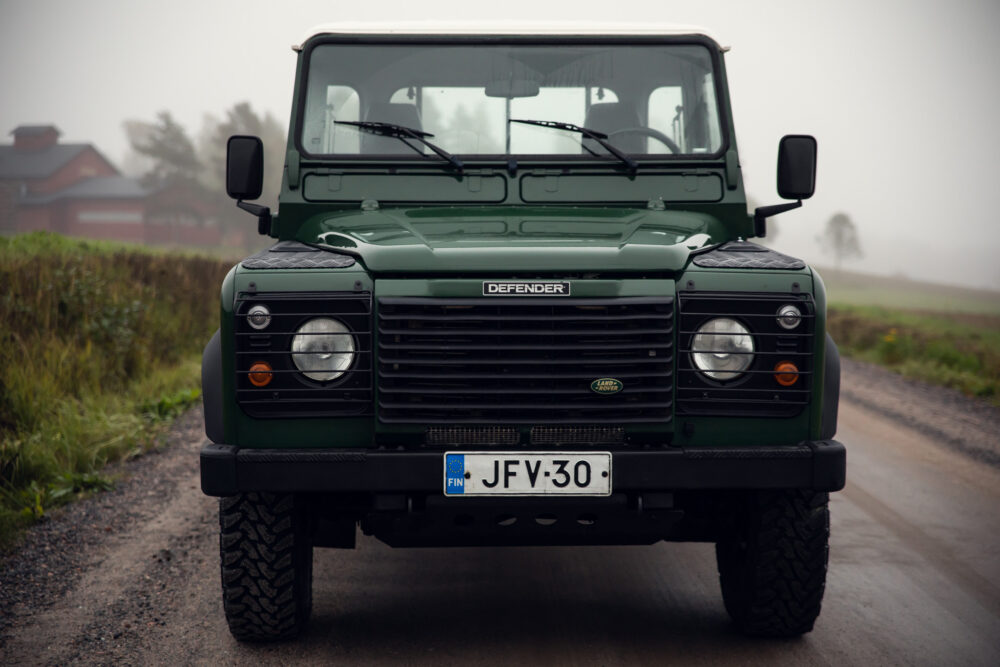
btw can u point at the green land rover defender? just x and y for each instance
(511, 302)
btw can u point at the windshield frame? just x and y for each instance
(476, 159)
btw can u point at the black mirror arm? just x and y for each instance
(263, 214)
(762, 213)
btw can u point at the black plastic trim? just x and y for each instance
(211, 387)
(227, 470)
(747, 255)
(295, 255)
(831, 390)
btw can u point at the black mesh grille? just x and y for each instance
(756, 392)
(289, 393)
(524, 361)
(473, 435)
(577, 435)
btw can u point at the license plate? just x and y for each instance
(527, 474)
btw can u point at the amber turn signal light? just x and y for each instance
(260, 374)
(786, 373)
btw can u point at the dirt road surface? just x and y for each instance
(131, 577)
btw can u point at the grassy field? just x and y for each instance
(862, 289)
(99, 347)
(940, 334)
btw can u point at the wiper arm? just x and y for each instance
(599, 137)
(402, 133)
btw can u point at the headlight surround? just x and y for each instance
(323, 349)
(722, 349)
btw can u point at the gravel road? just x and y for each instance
(131, 576)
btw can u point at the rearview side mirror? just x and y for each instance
(796, 166)
(245, 177)
(244, 167)
(796, 178)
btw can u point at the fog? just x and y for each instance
(902, 96)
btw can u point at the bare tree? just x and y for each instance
(840, 238)
(242, 119)
(168, 149)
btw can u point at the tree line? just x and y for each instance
(165, 154)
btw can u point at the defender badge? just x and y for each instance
(607, 386)
(493, 288)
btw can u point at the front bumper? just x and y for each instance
(227, 470)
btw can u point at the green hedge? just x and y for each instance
(99, 347)
(949, 349)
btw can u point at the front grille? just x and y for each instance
(524, 360)
(291, 394)
(458, 436)
(577, 435)
(756, 392)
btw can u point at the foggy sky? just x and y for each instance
(903, 96)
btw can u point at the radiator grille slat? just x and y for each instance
(524, 361)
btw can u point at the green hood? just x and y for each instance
(514, 239)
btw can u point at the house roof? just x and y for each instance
(33, 130)
(541, 28)
(100, 187)
(40, 163)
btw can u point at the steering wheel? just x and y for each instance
(648, 132)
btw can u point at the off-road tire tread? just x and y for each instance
(774, 576)
(266, 566)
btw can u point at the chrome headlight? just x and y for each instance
(722, 349)
(323, 349)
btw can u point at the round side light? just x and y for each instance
(259, 317)
(260, 374)
(789, 317)
(786, 373)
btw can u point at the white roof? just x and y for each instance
(503, 28)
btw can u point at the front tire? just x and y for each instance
(266, 566)
(773, 567)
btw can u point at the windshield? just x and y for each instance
(648, 99)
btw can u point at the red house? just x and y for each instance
(72, 189)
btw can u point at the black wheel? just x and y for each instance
(266, 566)
(773, 569)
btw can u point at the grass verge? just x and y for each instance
(99, 349)
(955, 350)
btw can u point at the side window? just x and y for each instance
(714, 137)
(690, 112)
(342, 103)
(666, 110)
(404, 96)
(601, 95)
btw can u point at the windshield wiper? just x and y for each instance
(403, 134)
(599, 137)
